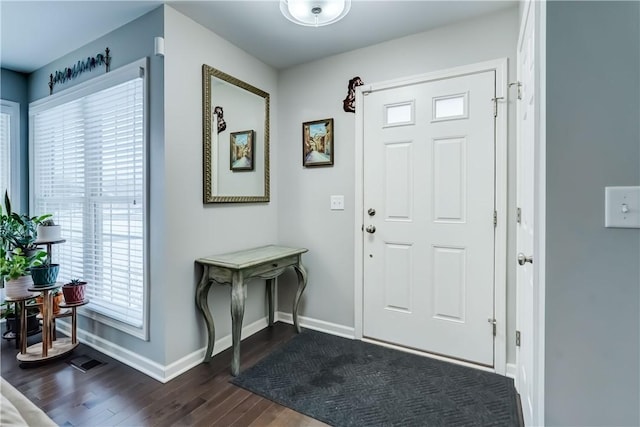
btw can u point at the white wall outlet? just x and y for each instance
(337, 203)
(622, 207)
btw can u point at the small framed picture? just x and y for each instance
(317, 143)
(241, 155)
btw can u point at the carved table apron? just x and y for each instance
(235, 269)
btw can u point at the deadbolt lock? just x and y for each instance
(371, 212)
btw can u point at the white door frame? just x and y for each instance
(539, 8)
(500, 296)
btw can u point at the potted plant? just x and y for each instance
(74, 291)
(19, 230)
(13, 321)
(48, 231)
(14, 271)
(18, 252)
(56, 298)
(44, 274)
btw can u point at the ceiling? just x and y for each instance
(55, 28)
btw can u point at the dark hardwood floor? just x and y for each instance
(114, 394)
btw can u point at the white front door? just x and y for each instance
(429, 201)
(525, 189)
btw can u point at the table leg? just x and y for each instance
(202, 292)
(302, 283)
(74, 336)
(271, 296)
(45, 323)
(238, 297)
(17, 309)
(52, 320)
(23, 327)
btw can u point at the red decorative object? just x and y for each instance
(74, 293)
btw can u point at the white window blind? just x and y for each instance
(10, 151)
(5, 152)
(88, 170)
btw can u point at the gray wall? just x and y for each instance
(13, 87)
(593, 276)
(314, 91)
(129, 43)
(193, 229)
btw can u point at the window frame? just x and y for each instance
(138, 68)
(15, 155)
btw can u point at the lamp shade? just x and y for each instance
(314, 13)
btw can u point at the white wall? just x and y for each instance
(193, 229)
(315, 91)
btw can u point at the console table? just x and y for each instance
(235, 269)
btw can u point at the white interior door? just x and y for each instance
(525, 188)
(429, 202)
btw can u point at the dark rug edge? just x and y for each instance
(282, 403)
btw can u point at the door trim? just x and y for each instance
(539, 8)
(500, 66)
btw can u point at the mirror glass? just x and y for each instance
(236, 139)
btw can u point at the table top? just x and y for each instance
(75, 304)
(46, 287)
(22, 298)
(49, 242)
(250, 257)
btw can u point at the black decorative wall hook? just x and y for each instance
(87, 65)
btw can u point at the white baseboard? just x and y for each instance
(142, 364)
(317, 325)
(195, 358)
(512, 370)
(148, 366)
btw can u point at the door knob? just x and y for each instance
(371, 229)
(523, 259)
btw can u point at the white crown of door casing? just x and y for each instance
(500, 66)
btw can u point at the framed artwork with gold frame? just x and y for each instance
(317, 143)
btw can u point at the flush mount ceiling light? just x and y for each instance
(314, 13)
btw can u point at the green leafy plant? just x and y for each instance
(18, 251)
(76, 282)
(47, 223)
(18, 230)
(16, 263)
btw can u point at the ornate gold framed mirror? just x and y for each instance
(235, 135)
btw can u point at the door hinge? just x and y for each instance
(493, 324)
(495, 105)
(495, 219)
(517, 338)
(518, 215)
(519, 85)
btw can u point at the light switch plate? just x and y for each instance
(622, 207)
(337, 203)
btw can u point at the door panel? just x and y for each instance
(429, 165)
(525, 189)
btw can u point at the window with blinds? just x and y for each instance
(5, 152)
(88, 170)
(10, 151)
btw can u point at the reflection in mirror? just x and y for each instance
(236, 135)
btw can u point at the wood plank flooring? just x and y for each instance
(114, 394)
